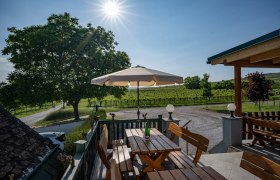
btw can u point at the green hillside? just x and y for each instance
(276, 78)
(179, 95)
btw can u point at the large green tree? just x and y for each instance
(259, 88)
(56, 61)
(9, 96)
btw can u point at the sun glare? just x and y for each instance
(113, 13)
(111, 9)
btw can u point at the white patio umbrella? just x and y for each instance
(137, 76)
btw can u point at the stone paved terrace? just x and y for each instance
(227, 164)
(206, 123)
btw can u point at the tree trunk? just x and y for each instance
(76, 110)
(63, 105)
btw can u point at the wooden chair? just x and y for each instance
(260, 166)
(199, 141)
(102, 150)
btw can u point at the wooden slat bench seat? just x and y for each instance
(200, 142)
(181, 160)
(121, 156)
(260, 166)
(115, 171)
(266, 131)
(184, 174)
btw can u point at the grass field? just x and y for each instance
(67, 115)
(26, 111)
(149, 97)
(268, 106)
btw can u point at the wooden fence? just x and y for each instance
(164, 101)
(274, 116)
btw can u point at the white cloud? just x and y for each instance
(5, 68)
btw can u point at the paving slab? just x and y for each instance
(204, 122)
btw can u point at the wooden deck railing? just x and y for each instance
(85, 161)
(116, 128)
(274, 116)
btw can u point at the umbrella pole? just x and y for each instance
(138, 111)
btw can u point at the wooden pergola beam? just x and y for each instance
(265, 56)
(246, 63)
(276, 61)
(249, 52)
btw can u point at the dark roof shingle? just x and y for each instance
(22, 148)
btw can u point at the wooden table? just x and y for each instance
(182, 174)
(152, 151)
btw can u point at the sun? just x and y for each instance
(111, 9)
(113, 13)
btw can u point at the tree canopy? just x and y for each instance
(206, 87)
(56, 61)
(224, 85)
(259, 88)
(192, 82)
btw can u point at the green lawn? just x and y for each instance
(23, 111)
(66, 115)
(267, 106)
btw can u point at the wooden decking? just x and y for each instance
(271, 152)
(99, 172)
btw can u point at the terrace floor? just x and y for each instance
(227, 164)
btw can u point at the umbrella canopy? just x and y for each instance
(137, 76)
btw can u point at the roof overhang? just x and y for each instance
(263, 51)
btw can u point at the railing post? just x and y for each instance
(98, 130)
(232, 131)
(160, 122)
(80, 146)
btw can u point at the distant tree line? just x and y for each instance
(256, 87)
(194, 82)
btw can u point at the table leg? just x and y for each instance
(154, 164)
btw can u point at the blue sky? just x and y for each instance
(175, 36)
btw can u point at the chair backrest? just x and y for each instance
(102, 146)
(115, 171)
(264, 123)
(199, 141)
(260, 166)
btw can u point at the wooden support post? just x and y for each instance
(237, 84)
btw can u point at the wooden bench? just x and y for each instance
(260, 166)
(115, 171)
(200, 142)
(266, 131)
(120, 154)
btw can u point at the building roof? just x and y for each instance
(22, 149)
(263, 51)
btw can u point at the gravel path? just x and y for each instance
(206, 123)
(29, 120)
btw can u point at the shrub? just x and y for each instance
(101, 113)
(76, 134)
(79, 132)
(65, 114)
